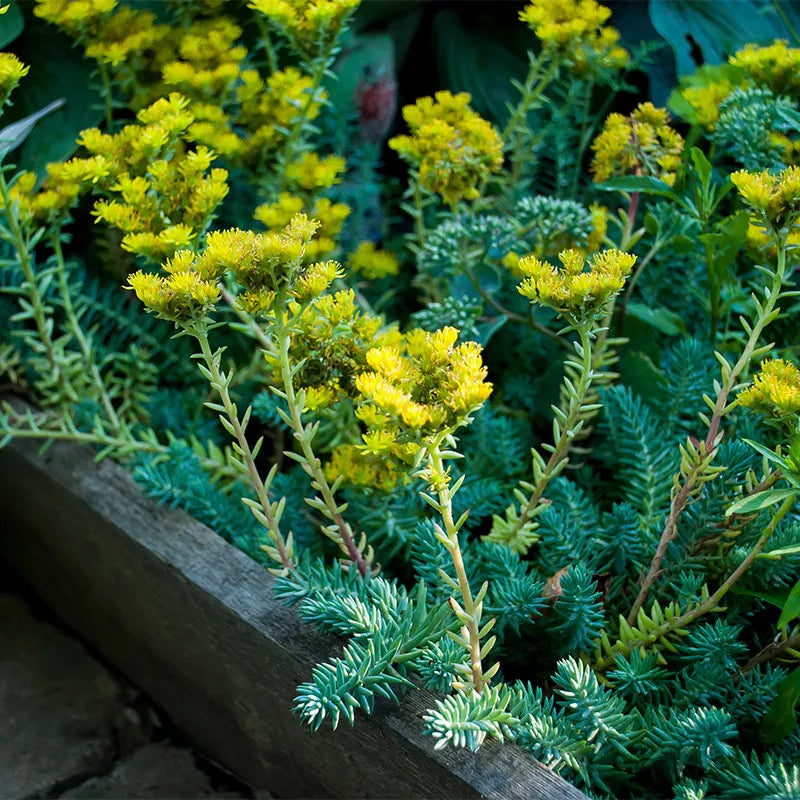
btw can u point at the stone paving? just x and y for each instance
(71, 728)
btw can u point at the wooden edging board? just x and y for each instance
(194, 622)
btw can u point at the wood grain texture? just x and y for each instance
(194, 622)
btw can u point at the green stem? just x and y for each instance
(22, 247)
(108, 98)
(343, 535)
(569, 425)
(730, 377)
(266, 41)
(318, 68)
(74, 327)
(712, 602)
(266, 512)
(470, 610)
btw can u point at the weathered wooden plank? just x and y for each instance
(193, 621)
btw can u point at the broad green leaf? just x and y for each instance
(791, 608)
(771, 456)
(661, 319)
(759, 500)
(703, 167)
(702, 32)
(481, 58)
(727, 242)
(69, 76)
(772, 596)
(11, 23)
(12, 136)
(780, 720)
(640, 183)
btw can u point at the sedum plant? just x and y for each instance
(533, 449)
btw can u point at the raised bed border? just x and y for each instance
(195, 623)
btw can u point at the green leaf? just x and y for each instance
(703, 167)
(773, 458)
(662, 319)
(791, 608)
(772, 596)
(727, 242)
(759, 500)
(781, 551)
(640, 183)
(492, 61)
(780, 720)
(11, 24)
(12, 136)
(67, 76)
(701, 32)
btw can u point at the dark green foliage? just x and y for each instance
(577, 618)
(643, 455)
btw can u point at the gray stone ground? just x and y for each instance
(70, 728)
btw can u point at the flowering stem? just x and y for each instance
(470, 609)
(267, 513)
(766, 313)
(516, 130)
(342, 534)
(74, 327)
(266, 41)
(108, 99)
(566, 426)
(23, 247)
(707, 605)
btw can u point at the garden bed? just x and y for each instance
(194, 622)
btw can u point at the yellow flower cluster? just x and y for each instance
(775, 391)
(776, 66)
(212, 127)
(265, 265)
(78, 18)
(643, 143)
(372, 263)
(12, 71)
(705, 100)
(310, 25)
(774, 199)
(330, 338)
(422, 386)
(270, 108)
(331, 217)
(161, 194)
(577, 293)
(51, 204)
(208, 60)
(310, 172)
(453, 148)
(576, 30)
(110, 33)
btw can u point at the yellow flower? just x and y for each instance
(775, 391)
(421, 386)
(310, 172)
(311, 25)
(452, 147)
(774, 199)
(643, 143)
(705, 100)
(575, 292)
(776, 66)
(372, 263)
(12, 71)
(576, 30)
